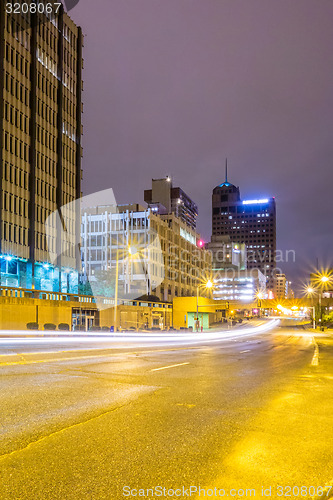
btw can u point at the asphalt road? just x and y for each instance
(84, 419)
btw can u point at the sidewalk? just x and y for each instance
(328, 331)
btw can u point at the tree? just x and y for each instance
(328, 318)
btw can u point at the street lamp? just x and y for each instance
(209, 285)
(116, 293)
(259, 296)
(130, 251)
(280, 308)
(321, 280)
(310, 292)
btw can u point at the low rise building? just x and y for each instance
(227, 254)
(60, 311)
(237, 285)
(232, 280)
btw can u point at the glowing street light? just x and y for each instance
(259, 296)
(323, 281)
(208, 285)
(310, 292)
(132, 251)
(320, 281)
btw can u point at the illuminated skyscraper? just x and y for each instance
(252, 222)
(40, 146)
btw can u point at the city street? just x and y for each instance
(84, 418)
(166, 278)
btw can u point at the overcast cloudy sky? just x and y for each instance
(175, 86)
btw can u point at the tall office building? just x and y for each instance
(165, 199)
(252, 222)
(40, 147)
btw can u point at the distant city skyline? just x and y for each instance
(176, 87)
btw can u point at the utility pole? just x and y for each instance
(116, 293)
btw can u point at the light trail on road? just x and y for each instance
(222, 408)
(54, 338)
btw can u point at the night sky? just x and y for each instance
(176, 86)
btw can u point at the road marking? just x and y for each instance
(97, 349)
(167, 367)
(315, 359)
(247, 350)
(54, 360)
(95, 356)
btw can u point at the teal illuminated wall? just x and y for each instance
(18, 273)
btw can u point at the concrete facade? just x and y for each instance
(19, 307)
(40, 148)
(156, 254)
